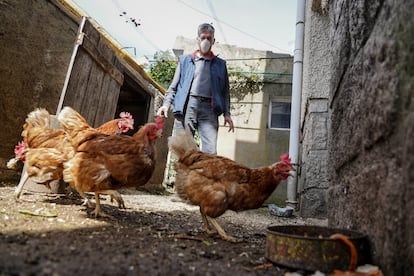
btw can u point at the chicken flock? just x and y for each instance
(102, 160)
(47, 149)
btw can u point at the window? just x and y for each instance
(279, 115)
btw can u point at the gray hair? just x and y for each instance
(205, 27)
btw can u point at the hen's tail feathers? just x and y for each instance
(37, 118)
(181, 143)
(72, 122)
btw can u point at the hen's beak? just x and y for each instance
(130, 126)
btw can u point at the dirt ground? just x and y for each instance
(55, 235)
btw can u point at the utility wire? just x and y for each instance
(211, 7)
(233, 27)
(136, 25)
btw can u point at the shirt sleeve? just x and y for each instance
(172, 89)
(226, 93)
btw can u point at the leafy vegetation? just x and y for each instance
(162, 70)
(241, 83)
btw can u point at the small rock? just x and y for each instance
(280, 211)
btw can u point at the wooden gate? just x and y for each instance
(94, 77)
(92, 87)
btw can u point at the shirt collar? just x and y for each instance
(197, 55)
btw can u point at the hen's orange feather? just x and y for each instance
(217, 184)
(107, 162)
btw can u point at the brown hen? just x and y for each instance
(46, 149)
(218, 184)
(105, 163)
(118, 126)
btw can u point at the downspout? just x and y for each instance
(79, 41)
(296, 104)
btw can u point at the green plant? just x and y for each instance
(243, 83)
(163, 69)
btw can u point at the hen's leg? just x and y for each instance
(115, 195)
(22, 182)
(98, 212)
(85, 199)
(207, 228)
(221, 232)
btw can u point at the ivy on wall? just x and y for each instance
(243, 84)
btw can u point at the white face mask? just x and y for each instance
(205, 46)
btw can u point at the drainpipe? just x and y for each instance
(296, 102)
(79, 41)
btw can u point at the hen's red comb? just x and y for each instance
(19, 150)
(159, 121)
(128, 117)
(20, 147)
(125, 115)
(286, 159)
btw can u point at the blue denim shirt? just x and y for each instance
(179, 89)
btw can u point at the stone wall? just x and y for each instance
(371, 145)
(313, 181)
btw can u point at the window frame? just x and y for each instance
(279, 100)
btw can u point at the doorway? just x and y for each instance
(135, 100)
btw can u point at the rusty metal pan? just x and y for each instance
(312, 248)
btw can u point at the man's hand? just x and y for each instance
(163, 111)
(227, 119)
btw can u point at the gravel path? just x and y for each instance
(55, 235)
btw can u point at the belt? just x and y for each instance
(202, 99)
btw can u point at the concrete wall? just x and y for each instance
(36, 42)
(371, 145)
(313, 182)
(253, 143)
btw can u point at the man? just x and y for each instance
(200, 92)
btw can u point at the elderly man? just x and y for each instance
(200, 92)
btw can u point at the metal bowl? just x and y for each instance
(310, 248)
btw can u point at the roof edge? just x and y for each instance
(77, 13)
